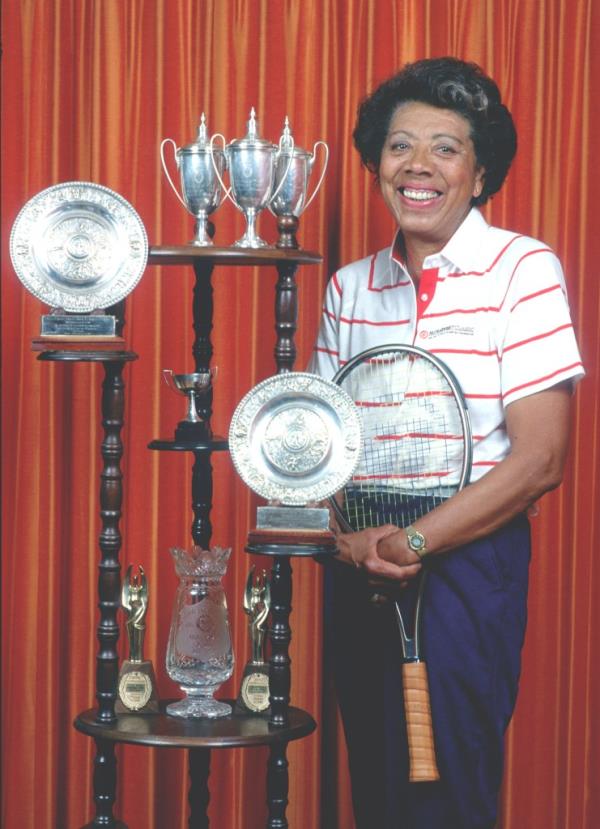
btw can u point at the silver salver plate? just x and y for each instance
(78, 246)
(295, 438)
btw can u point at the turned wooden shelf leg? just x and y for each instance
(109, 591)
(277, 787)
(109, 581)
(105, 785)
(202, 489)
(286, 316)
(280, 635)
(202, 350)
(199, 795)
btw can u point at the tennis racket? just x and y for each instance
(417, 451)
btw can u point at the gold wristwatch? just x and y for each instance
(416, 541)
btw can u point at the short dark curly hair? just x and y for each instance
(448, 83)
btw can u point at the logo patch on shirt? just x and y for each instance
(448, 330)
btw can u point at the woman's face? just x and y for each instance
(428, 172)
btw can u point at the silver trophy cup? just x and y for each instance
(192, 385)
(293, 168)
(197, 164)
(251, 163)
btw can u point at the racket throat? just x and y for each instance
(410, 645)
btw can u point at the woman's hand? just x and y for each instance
(362, 550)
(394, 548)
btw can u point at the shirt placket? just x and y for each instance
(425, 292)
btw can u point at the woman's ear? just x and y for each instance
(479, 179)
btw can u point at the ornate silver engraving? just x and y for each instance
(295, 438)
(78, 246)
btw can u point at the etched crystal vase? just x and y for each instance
(199, 653)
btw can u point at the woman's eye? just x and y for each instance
(446, 149)
(398, 146)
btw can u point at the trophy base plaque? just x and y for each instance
(292, 525)
(292, 518)
(78, 325)
(137, 689)
(254, 690)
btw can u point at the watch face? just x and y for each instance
(416, 542)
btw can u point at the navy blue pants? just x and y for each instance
(474, 620)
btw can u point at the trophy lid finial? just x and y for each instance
(202, 133)
(252, 125)
(287, 141)
(202, 130)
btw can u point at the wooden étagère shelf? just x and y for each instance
(283, 723)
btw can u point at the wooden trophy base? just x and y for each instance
(254, 690)
(320, 538)
(66, 343)
(136, 691)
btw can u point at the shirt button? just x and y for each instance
(424, 297)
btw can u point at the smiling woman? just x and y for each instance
(492, 304)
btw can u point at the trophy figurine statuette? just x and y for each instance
(193, 427)
(254, 691)
(137, 683)
(251, 163)
(197, 163)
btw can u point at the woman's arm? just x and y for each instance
(538, 428)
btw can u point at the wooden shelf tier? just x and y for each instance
(192, 254)
(77, 356)
(163, 731)
(214, 444)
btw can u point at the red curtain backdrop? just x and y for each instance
(89, 90)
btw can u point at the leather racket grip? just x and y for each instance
(421, 749)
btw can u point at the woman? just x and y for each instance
(492, 305)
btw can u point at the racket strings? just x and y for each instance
(414, 440)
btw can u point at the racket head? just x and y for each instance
(417, 439)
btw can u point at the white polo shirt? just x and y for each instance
(492, 305)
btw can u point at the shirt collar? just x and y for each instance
(462, 250)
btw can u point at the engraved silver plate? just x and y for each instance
(295, 438)
(78, 246)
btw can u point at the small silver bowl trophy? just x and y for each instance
(193, 386)
(261, 175)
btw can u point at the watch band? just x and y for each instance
(416, 541)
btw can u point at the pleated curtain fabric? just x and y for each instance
(90, 88)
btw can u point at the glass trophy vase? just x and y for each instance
(199, 653)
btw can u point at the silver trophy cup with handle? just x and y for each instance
(200, 185)
(251, 163)
(193, 386)
(292, 172)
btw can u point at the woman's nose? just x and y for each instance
(419, 160)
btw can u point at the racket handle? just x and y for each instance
(421, 749)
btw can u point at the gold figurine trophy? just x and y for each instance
(254, 691)
(137, 683)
